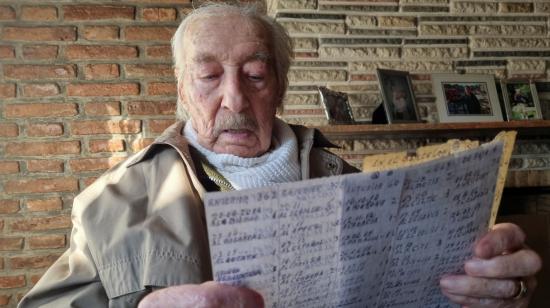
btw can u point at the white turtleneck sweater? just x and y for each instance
(280, 164)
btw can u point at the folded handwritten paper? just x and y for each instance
(374, 239)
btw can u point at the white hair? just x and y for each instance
(280, 43)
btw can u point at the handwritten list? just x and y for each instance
(380, 239)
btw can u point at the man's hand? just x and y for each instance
(493, 276)
(207, 295)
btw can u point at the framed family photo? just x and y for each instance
(521, 100)
(397, 95)
(466, 98)
(337, 108)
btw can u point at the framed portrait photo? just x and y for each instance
(521, 100)
(397, 95)
(337, 108)
(466, 98)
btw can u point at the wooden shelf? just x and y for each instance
(531, 128)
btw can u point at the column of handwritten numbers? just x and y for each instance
(364, 227)
(308, 243)
(468, 199)
(419, 223)
(242, 231)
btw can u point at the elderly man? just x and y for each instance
(139, 234)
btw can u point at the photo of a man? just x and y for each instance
(398, 97)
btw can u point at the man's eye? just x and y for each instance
(256, 77)
(209, 77)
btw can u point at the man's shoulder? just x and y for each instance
(313, 135)
(171, 138)
(322, 162)
(133, 175)
(133, 172)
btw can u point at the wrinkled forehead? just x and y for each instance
(213, 34)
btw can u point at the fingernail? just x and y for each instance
(474, 265)
(447, 283)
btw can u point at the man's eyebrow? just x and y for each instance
(259, 55)
(204, 58)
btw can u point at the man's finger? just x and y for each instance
(522, 263)
(474, 302)
(502, 238)
(206, 295)
(231, 296)
(479, 287)
(471, 301)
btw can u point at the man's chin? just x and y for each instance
(241, 150)
(241, 143)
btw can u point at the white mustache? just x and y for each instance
(236, 121)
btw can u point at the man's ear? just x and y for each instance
(181, 92)
(180, 87)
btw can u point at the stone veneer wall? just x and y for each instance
(84, 84)
(339, 44)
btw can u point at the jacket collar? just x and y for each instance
(304, 133)
(173, 136)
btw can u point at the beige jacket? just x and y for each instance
(141, 225)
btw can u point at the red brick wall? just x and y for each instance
(82, 86)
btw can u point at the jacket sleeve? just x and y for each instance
(72, 281)
(134, 230)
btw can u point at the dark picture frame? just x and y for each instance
(336, 105)
(398, 96)
(521, 100)
(466, 98)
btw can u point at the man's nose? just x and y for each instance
(234, 96)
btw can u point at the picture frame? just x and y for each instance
(397, 95)
(336, 105)
(521, 100)
(466, 98)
